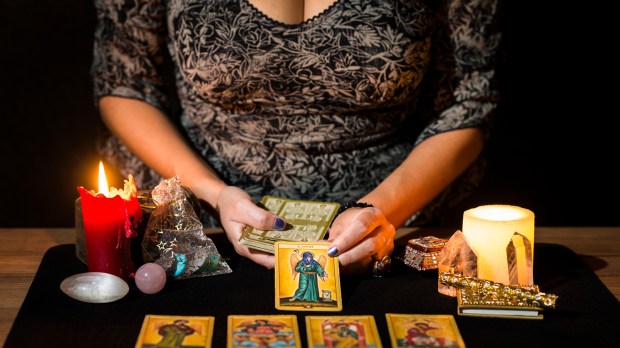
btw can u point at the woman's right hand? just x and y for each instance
(237, 210)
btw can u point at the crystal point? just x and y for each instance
(456, 257)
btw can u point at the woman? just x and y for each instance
(382, 102)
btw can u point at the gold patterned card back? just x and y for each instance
(306, 221)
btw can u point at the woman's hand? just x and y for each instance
(359, 236)
(237, 210)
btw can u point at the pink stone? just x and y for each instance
(150, 278)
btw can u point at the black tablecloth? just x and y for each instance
(587, 314)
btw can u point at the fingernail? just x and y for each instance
(279, 224)
(332, 251)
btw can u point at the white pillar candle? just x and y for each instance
(489, 229)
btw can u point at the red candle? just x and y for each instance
(110, 217)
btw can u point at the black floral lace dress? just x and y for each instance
(322, 110)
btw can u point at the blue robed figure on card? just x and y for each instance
(309, 271)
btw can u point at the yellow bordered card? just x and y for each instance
(423, 330)
(306, 278)
(262, 331)
(175, 331)
(342, 331)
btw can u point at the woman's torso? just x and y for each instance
(316, 110)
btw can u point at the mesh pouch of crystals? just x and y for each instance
(174, 238)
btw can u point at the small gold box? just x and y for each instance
(422, 253)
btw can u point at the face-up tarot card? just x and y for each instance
(306, 221)
(306, 278)
(423, 330)
(263, 331)
(175, 331)
(342, 331)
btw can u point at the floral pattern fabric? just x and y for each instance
(322, 110)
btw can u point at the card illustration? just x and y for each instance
(306, 278)
(358, 331)
(175, 331)
(263, 331)
(423, 330)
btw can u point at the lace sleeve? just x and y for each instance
(127, 57)
(467, 44)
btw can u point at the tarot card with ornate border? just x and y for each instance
(263, 331)
(177, 331)
(342, 331)
(306, 278)
(423, 330)
(306, 221)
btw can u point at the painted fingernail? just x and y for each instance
(279, 224)
(332, 251)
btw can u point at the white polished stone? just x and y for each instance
(95, 287)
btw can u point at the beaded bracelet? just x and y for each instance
(353, 204)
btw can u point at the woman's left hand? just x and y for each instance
(360, 236)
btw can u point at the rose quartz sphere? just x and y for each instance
(150, 278)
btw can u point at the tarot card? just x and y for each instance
(306, 278)
(175, 331)
(263, 331)
(342, 331)
(306, 221)
(423, 330)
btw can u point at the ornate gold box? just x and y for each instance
(422, 253)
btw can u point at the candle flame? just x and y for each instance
(103, 181)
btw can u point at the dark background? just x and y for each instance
(553, 150)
